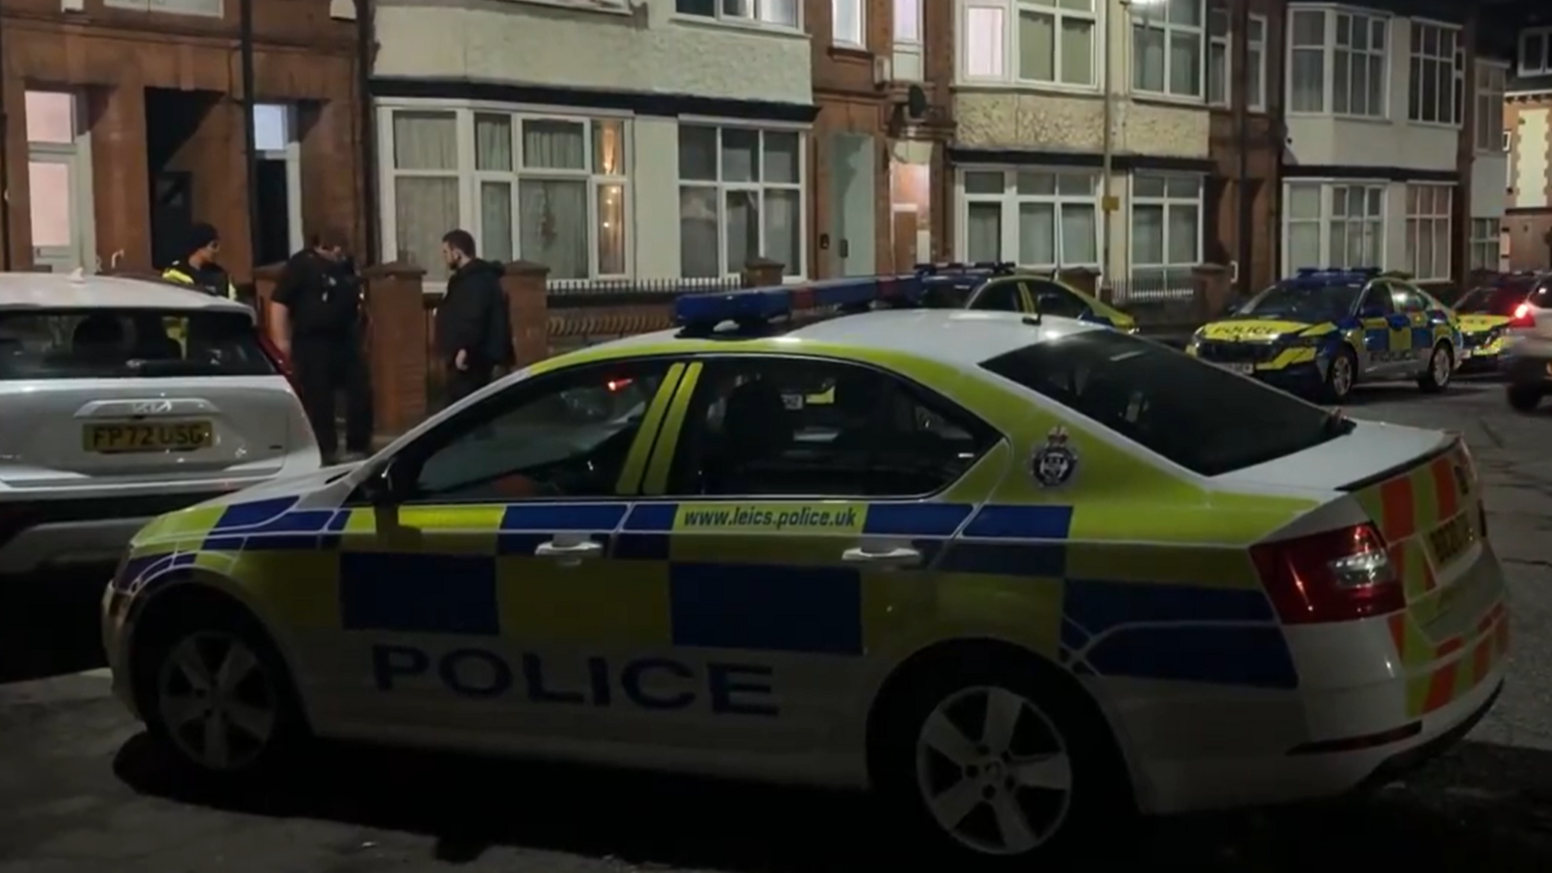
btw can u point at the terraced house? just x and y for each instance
(1527, 224)
(601, 138)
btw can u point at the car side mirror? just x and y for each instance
(387, 485)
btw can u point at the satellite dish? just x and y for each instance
(916, 102)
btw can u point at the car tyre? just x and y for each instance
(1340, 377)
(1441, 368)
(1525, 398)
(997, 769)
(216, 695)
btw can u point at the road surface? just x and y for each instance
(81, 791)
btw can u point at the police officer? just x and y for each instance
(315, 320)
(199, 267)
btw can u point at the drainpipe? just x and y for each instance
(1107, 202)
(1242, 137)
(5, 164)
(365, 48)
(250, 136)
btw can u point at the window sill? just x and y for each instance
(1484, 152)
(1338, 116)
(1433, 125)
(849, 51)
(1055, 88)
(1229, 110)
(1172, 101)
(780, 31)
(603, 7)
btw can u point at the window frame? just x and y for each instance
(1419, 222)
(1523, 51)
(924, 395)
(1328, 219)
(791, 272)
(1418, 65)
(1484, 242)
(1224, 41)
(755, 20)
(1167, 201)
(861, 42)
(1255, 55)
(1492, 80)
(1008, 73)
(1170, 29)
(1011, 200)
(1331, 15)
(469, 178)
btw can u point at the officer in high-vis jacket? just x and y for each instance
(199, 267)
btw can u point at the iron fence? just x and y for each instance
(592, 293)
(1152, 286)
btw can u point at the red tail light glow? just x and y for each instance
(1339, 575)
(617, 385)
(1523, 317)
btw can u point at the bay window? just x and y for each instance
(1166, 227)
(548, 189)
(1303, 214)
(1438, 74)
(1486, 242)
(1333, 225)
(778, 13)
(740, 197)
(1491, 81)
(1050, 42)
(1040, 219)
(1428, 231)
(1337, 62)
(1168, 49)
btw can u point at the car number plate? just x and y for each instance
(1242, 369)
(1449, 541)
(117, 439)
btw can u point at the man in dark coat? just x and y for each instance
(473, 326)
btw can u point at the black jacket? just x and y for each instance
(473, 316)
(211, 278)
(322, 296)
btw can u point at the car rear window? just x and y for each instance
(1492, 301)
(1201, 417)
(128, 343)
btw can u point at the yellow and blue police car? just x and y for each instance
(1023, 577)
(1320, 332)
(1003, 287)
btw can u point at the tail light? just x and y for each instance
(1523, 317)
(281, 362)
(1340, 575)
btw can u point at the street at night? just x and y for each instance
(82, 790)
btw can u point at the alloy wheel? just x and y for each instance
(1441, 366)
(217, 700)
(1341, 376)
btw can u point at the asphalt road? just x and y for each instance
(80, 790)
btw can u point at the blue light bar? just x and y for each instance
(754, 306)
(1315, 277)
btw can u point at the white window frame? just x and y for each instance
(860, 7)
(1010, 199)
(1007, 71)
(1168, 271)
(1449, 105)
(463, 112)
(757, 17)
(793, 272)
(907, 35)
(292, 156)
(1492, 81)
(1255, 56)
(1221, 41)
(1329, 51)
(1486, 246)
(1420, 223)
(1159, 19)
(77, 157)
(1545, 35)
(1329, 189)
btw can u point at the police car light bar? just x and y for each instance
(1338, 271)
(998, 267)
(756, 306)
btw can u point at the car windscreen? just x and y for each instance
(1201, 417)
(1302, 303)
(1492, 301)
(101, 343)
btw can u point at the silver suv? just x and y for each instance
(122, 399)
(1527, 359)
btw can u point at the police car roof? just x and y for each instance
(74, 291)
(957, 337)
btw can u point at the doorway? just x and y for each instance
(854, 163)
(175, 162)
(59, 168)
(279, 182)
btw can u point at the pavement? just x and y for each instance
(82, 790)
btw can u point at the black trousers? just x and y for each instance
(462, 383)
(326, 365)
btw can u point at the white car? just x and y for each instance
(1526, 361)
(122, 399)
(1019, 575)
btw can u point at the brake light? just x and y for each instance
(281, 362)
(1523, 317)
(1339, 575)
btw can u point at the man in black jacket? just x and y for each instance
(315, 321)
(473, 327)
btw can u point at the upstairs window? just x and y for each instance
(1536, 52)
(1438, 75)
(774, 13)
(1168, 46)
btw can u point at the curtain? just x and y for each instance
(742, 209)
(554, 145)
(983, 232)
(740, 155)
(1184, 223)
(1303, 201)
(1037, 234)
(907, 20)
(1037, 46)
(425, 141)
(1304, 244)
(774, 11)
(1341, 89)
(496, 221)
(1185, 63)
(493, 142)
(609, 148)
(1077, 51)
(1309, 80)
(698, 244)
(1080, 234)
(425, 208)
(611, 230)
(783, 222)
(1148, 234)
(554, 226)
(1147, 58)
(847, 18)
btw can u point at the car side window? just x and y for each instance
(1378, 297)
(751, 428)
(1052, 299)
(1407, 300)
(1002, 296)
(556, 436)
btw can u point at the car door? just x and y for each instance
(484, 602)
(1387, 334)
(1411, 303)
(794, 536)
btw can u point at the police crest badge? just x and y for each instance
(1053, 464)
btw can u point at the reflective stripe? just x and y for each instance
(656, 481)
(641, 449)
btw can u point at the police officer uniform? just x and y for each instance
(322, 296)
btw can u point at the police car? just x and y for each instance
(1022, 577)
(1003, 287)
(1320, 332)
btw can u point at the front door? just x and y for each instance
(55, 197)
(854, 166)
(488, 603)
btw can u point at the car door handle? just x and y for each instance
(901, 555)
(573, 551)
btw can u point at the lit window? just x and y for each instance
(1036, 218)
(740, 198)
(50, 117)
